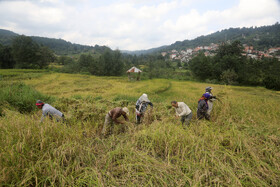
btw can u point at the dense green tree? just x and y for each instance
(111, 63)
(85, 60)
(179, 64)
(229, 77)
(44, 56)
(24, 52)
(6, 57)
(64, 60)
(28, 54)
(272, 75)
(118, 63)
(201, 66)
(107, 62)
(234, 49)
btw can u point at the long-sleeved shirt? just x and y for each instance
(183, 109)
(50, 111)
(116, 113)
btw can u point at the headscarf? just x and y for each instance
(144, 98)
(39, 103)
(208, 89)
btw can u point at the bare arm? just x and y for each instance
(125, 117)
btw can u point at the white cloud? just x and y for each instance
(131, 24)
(247, 13)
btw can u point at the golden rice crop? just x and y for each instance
(239, 146)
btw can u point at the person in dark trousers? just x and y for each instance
(49, 111)
(183, 111)
(202, 107)
(141, 106)
(112, 117)
(211, 100)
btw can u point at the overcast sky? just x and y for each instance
(133, 24)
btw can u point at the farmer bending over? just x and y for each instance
(49, 111)
(211, 100)
(141, 106)
(112, 116)
(202, 107)
(183, 111)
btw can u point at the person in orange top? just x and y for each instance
(202, 107)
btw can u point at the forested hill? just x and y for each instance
(261, 38)
(59, 46)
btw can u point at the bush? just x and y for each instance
(21, 97)
(272, 83)
(229, 77)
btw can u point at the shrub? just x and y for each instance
(229, 77)
(272, 83)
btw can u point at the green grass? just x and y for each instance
(238, 147)
(20, 97)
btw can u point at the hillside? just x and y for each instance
(261, 38)
(6, 37)
(238, 147)
(59, 46)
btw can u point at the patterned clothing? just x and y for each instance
(202, 109)
(51, 112)
(141, 106)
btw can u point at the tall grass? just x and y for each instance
(20, 96)
(238, 147)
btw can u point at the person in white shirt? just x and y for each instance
(183, 111)
(49, 111)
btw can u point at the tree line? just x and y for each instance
(24, 53)
(110, 63)
(229, 66)
(114, 63)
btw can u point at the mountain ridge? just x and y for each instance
(255, 36)
(59, 46)
(262, 38)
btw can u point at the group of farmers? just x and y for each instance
(204, 108)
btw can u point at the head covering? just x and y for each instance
(144, 97)
(39, 103)
(126, 110)
(208, 89)
(206, 95)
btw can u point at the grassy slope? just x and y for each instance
(240, 146)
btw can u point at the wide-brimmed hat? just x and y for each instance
(126, 110)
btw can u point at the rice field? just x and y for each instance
(239, 146)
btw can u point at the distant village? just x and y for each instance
(189, 53)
